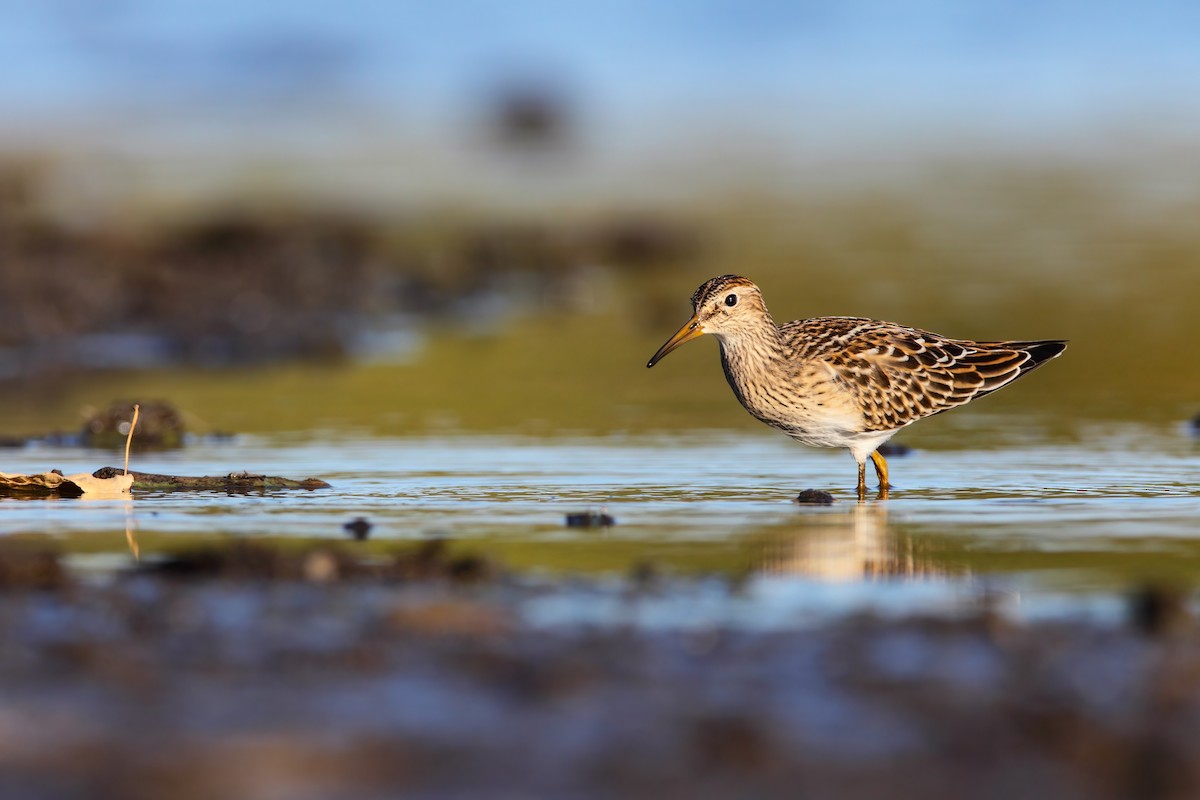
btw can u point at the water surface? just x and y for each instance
(1069, 523)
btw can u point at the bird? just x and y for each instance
(846, 382)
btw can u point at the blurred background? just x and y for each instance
(397, 217)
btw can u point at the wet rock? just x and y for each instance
(590, 519)
(814, 497)
(893, 449)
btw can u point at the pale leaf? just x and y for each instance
(116, 486)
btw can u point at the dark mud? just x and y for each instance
(254, 285)
(261, 676)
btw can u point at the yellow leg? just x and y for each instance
(862, 480)
(880, 471)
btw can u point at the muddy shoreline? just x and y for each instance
(308, 674)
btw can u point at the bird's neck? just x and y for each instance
(759, 344)
(751, 355)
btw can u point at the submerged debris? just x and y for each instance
(233, 482)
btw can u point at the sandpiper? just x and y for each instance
(846, 381)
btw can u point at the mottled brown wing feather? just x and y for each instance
(899, 375)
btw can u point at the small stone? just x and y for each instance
(590, 519)
(359, 528)
(890, 449)
(814, 497)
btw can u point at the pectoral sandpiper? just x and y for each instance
(846, 381)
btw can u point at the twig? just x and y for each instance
(129, 438)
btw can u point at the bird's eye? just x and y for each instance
(731, 299)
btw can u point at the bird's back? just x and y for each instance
(895, 375)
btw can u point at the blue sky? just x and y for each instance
(623, 56)
(168, 81)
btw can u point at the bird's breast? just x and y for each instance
(802, 399)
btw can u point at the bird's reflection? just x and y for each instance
(856, 544)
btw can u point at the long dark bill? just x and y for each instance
(689, 331)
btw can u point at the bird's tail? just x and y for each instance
(1039, 352)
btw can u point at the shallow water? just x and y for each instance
(1038, 526)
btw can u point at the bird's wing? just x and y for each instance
(898, 374)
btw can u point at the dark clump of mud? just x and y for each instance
(814, 497)
(397, 680)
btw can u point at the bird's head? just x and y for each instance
(724, 306)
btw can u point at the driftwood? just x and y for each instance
(233, 482)
(47, 484)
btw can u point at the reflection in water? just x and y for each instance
(131, 532)
(847, 545)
